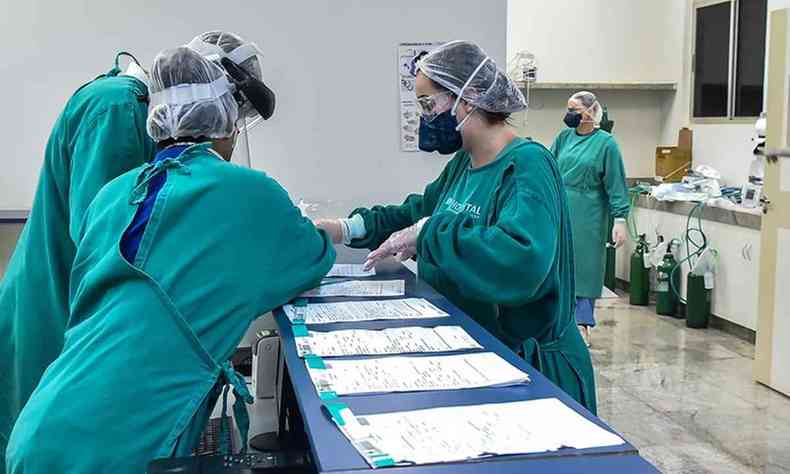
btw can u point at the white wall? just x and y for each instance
(605, 41)
(331, 62)
(597, 40)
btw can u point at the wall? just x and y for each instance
(332, 64)
(595, 41)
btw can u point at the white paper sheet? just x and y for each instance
(358, 288)
(350, 270)
(462, 433)
(407, 374)
(354, 342)
(355, 311)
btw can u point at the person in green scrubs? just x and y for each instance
(492, 232)
(99, 135)
(592, 170)
(174, 260)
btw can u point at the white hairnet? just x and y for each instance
(215, 45)
(590, 102)
(467, 71)
(189, 97)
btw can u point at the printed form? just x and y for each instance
(358, 288)
(355, 311)
(355, 270)
(449, 434)
(409, 374)
(354, 342)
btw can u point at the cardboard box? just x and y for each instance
(674, 162)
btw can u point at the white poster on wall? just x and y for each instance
(409, 117)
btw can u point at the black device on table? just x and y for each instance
(250, 463)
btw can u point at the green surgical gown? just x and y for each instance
(498, 245)
(149, 341)
(99, 135)
(594, 176)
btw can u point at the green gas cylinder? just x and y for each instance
(640, 276)
(698, 299)
(667, 285)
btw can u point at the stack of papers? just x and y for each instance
(350, 270)
(406, 340)
(355, 311)
(407, 374)
(357, 288)
(448, 434)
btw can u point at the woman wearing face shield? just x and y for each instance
(173, 264)
(492, 233)
(592, 170)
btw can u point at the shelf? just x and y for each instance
(608, 86)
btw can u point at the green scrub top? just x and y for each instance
(149, 342)
(594, 176)
(498, 245)
(99, 135)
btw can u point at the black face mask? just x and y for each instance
(440, 134)
(573, 119)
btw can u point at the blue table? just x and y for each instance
(332, 452)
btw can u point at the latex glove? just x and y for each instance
(333, 227)
(619, 233)
(402, 244)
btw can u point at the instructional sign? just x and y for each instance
(409, 116)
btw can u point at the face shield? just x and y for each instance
(242, 62)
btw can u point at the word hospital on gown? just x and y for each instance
(457, 208)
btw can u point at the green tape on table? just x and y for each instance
(328, 395)
(384, 462)
(300, 330)
(314, 362)
(334, 409)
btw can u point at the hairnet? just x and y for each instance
(215, 45)
(467, 71)
(190, 97)
(590, 102)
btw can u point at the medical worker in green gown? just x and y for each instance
(492, 232)
(594, 176)
(174, 260)
(99, 135)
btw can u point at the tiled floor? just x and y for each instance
(686, 397)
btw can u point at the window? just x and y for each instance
(729, 58)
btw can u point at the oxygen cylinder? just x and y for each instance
(640, 275)
(667, 279)
(698, 298)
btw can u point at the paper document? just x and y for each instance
(408, 374)
(450, 434)
(350, 270)
(406, 340)
(355, 311)
(358, 288)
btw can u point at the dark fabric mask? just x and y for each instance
(440, 134)
(573, 119)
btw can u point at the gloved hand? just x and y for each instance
(402, 244)
(619, 233)
(333, 227)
